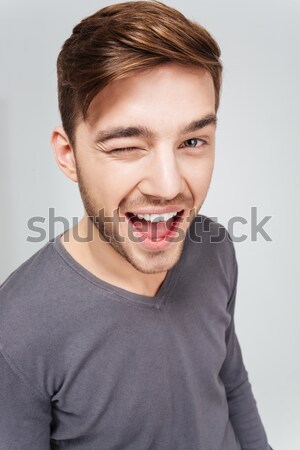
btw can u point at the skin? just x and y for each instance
(167, 168)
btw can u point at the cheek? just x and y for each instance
(198, 176)
(111, 183)
(198, 169)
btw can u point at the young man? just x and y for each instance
(119, 334)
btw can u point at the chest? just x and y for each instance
(128, 372)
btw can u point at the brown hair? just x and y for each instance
(122, 39)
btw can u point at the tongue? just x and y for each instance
(152, 230)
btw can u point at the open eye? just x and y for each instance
(194, 142)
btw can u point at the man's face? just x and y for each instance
(165, 169)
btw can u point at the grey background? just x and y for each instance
(257, 163)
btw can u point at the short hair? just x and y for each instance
(121, 40)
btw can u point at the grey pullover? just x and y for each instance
(85, 365)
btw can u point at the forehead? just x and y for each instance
(163, 97)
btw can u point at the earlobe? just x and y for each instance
(64, 153)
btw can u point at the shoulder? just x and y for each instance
(208, 243)
(22, 277)
(32, 275)
(205, 230)
(28, 299)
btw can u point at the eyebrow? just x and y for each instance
(140, 131)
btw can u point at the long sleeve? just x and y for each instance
(25, 414)
(243, 412)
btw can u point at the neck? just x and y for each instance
(103, 261)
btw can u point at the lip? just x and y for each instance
(167, 209)
(159, 245)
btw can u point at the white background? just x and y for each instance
(257, 166)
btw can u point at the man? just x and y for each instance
(119, 333)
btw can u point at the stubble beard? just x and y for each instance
(151, 263)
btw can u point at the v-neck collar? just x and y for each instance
(154, 302)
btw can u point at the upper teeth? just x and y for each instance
(157, 217)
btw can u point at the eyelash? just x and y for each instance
(127, 149)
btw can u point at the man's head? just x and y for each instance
(139, 75)
(121, 40)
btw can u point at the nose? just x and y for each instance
(162, 177)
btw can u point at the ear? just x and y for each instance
(64, 154)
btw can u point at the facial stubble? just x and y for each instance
(106, 228)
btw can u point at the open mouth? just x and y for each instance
(155, 227)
